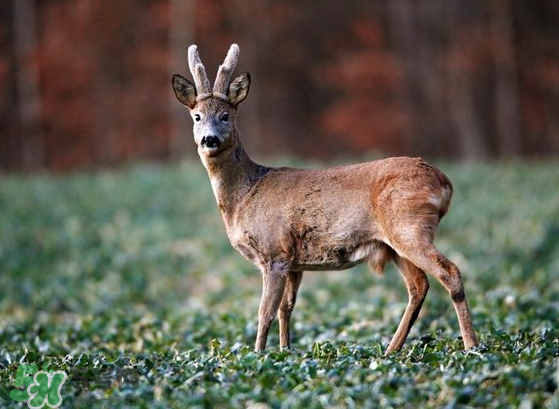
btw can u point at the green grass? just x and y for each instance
(132, 269)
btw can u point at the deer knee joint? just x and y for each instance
(445, 264)
(418, 287)
(266, 319)
(287, 307)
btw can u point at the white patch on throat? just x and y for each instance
(217, 188)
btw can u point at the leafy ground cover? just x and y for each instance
(131, 269)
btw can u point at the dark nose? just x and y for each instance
(210, 141)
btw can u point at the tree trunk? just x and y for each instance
(460, 85)
(402, 36)
(181, 34)
(507, 106)
(27, 84)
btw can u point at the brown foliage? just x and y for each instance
(363, 80)
(430, 78)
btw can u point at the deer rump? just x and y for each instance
(375, 204)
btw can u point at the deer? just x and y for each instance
(286, 221)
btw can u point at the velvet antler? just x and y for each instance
(225, 71)
(198, 73)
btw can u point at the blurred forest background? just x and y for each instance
(85, 83)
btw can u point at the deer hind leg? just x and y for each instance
(428, 258)
(417, 285)
(286, 306)
(274, 276)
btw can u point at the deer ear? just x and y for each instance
(238, 89)
(185, 91)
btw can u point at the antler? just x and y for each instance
(198, 73)
(225, 71)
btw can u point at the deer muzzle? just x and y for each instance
(210, 142)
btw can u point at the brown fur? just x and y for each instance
(287, 220)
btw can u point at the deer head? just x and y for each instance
(213, 111)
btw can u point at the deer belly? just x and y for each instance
(336, 257)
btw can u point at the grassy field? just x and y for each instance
(131, 269)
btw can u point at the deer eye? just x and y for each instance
(224, 117)
(197, 117)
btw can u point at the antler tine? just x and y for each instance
(198, 71)
(226, 70)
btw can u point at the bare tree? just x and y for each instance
(460, 83)
(507, 105)
(27, 83)
(413, 24)
(181, 33)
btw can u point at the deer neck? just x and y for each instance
(232, 173)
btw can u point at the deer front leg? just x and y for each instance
(274, 277)
(287, 305)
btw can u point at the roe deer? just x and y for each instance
(286, 220)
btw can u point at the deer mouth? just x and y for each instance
(210, 142)
(211, 145)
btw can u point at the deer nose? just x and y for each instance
(210, 141)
